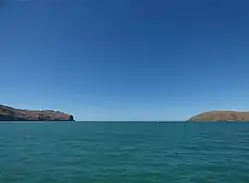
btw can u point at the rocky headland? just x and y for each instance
(11, 114)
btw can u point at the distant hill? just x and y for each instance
(221, 116)
(11, 114)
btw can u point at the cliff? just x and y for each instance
(221, 116)
(12, 114)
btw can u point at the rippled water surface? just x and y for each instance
(102, 152)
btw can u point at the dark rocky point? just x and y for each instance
(212, 116)
(12, 114)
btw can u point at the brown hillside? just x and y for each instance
(221, 116)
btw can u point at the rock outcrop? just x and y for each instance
(12, 114)
(221, 116)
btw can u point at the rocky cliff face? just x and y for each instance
(221, 116)
(12, 114)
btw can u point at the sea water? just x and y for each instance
(124, 152)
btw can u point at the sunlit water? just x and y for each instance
(102, 152)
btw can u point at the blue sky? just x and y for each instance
(125, 59)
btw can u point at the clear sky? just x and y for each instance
(125, 59)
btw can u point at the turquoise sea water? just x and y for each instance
(102, 152)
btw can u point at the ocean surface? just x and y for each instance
(124, 152)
